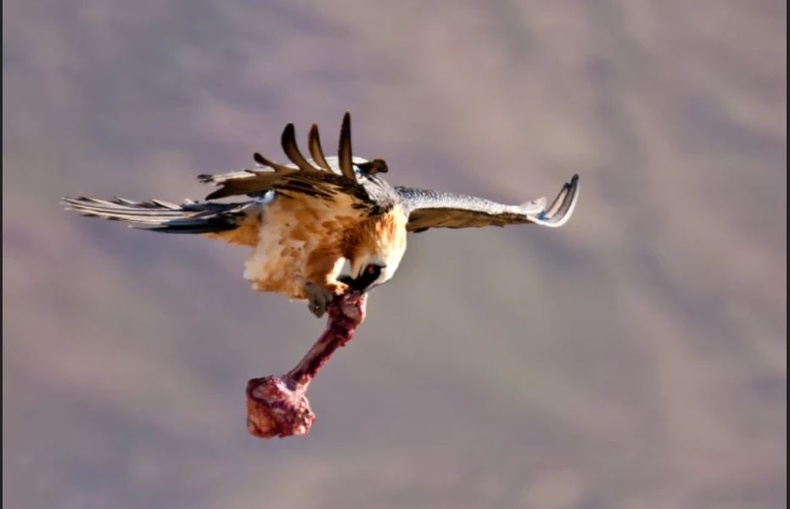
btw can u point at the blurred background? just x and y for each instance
(635, 358)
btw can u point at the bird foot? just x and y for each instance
(318, 299)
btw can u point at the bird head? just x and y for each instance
(370, 275)
(376, 251)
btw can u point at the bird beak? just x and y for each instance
(352, 283)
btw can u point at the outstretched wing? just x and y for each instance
(348, 184)
(319, 176)
(237, 223)
(432, 209)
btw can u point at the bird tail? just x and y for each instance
(161, 216)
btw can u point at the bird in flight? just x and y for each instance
(305, 219)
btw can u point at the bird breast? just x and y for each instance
(300, 239)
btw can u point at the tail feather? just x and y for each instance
(162, 216)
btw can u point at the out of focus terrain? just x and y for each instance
(635, 358)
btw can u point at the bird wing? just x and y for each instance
(236, 223)
(347, 182)
(432, 209)
(318, 176)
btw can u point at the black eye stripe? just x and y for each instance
(367, 277)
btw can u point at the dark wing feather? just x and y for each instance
(314, 143)
(432, 209)
(158, 215)
(291, 149)
(302, 177)
(344, 148)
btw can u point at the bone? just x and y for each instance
(277, 406)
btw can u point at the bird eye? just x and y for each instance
(367, 277)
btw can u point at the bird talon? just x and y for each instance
(318, 299)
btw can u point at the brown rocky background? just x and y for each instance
(635, 358)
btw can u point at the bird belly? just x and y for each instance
(300, 240)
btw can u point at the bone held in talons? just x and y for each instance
(277, 406)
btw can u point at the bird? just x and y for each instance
(307, 219)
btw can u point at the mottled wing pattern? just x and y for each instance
(432, 209)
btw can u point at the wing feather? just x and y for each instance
(316, 177)
(432, 209)
(344, 148)
(314, 143)
(291, 149)
(159, 215)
